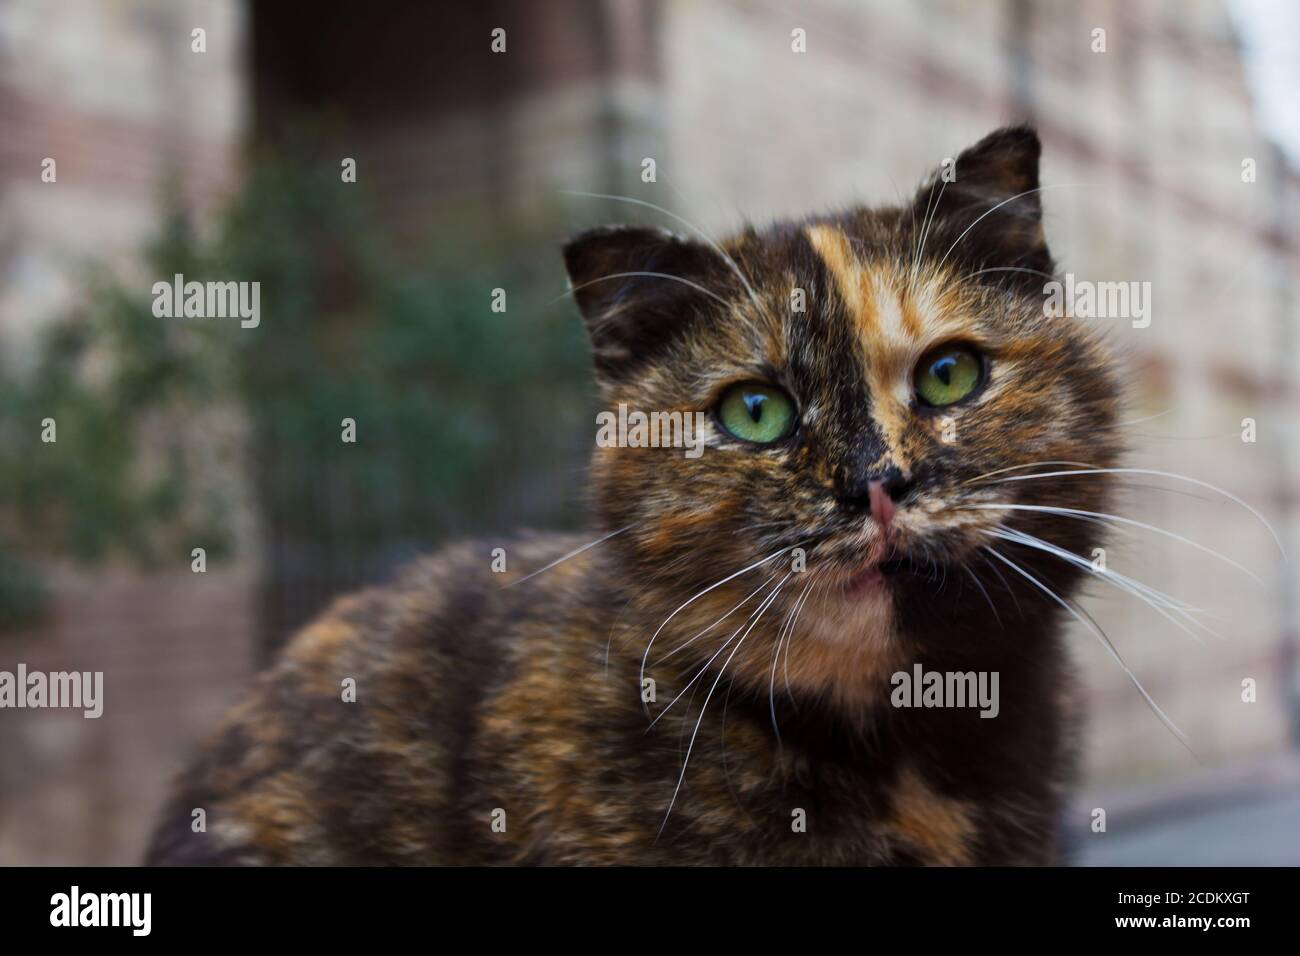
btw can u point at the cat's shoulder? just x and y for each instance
(378, 686)
(455, 590)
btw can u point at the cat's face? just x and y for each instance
(863, 392)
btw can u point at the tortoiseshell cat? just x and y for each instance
(747, 608)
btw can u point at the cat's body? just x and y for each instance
(714, 682)
(473, 698)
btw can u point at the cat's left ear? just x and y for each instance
(985, 206)
(639, 290)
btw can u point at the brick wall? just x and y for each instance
(175, 650)
(113, 93)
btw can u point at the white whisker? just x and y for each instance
(1087, 469)
(1148, 595)
(990, 211)
(1145, 418)
(572, 554)
(753, 296)
(785, 661)
(979, 584)
(652, 275)
(705, 706)
(762, 606)
(787, 627)
(1036, 272)
(1100, 516)
(1029, 464)
(925, 231)
(1101, 636)
(696, 597)
(743, 602)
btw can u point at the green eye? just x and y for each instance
(947, 375)
(757, 413)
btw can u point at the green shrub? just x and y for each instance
(468, 421)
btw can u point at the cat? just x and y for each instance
(758, 654)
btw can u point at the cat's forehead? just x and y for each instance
(835, 287)
(894, 309)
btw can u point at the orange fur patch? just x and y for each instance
(938, 827)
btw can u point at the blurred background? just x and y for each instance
(1171, 149)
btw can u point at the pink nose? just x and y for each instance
(882, 506)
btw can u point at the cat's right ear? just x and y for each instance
(985, 209)
(638, 290)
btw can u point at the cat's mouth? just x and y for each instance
(877, 575)
(902, 565)
(881, 563)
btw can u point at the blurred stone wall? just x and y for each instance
(175, 650)
(114, 94)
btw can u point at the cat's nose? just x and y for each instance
(882, 505)
(878, 492)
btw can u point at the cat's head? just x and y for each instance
(866, 380)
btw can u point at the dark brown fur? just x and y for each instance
(480, 692)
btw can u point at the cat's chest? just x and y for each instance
(748, 796)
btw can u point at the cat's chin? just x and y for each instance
(848, 646)
(866, 583)
(859, 612)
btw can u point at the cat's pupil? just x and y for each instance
(755, 405)
(942, 370)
